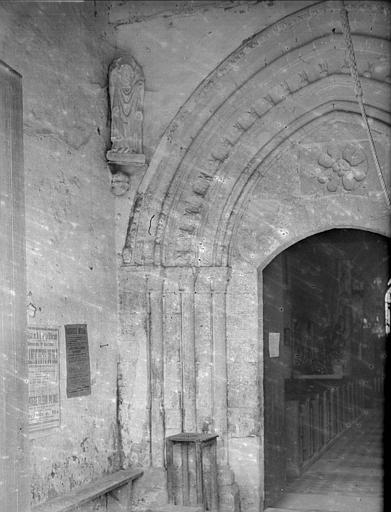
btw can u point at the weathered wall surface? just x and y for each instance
(269, 150)
(237, 177)
(179, 43)
(62, 54)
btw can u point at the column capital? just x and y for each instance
(213, 279)
(180, 278)
(136, 276)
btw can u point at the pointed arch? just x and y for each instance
(285, 77)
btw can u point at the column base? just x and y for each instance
(229, 496)
(150, 490)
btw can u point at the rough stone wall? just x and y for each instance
(62, 53)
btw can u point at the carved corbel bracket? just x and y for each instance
(121, 173)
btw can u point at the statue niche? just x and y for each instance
(126, 90)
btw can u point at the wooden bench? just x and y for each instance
(118, 485)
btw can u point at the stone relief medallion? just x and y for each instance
(342, 167)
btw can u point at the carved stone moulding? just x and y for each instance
(125, 159)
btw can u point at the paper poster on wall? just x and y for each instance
(44, 378)
(274, 344)
(78, 360)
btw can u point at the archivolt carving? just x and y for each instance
(287, 196)
(237, 113)
(251, 170)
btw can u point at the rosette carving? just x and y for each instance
(345, 167)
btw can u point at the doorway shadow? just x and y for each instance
(324, 354)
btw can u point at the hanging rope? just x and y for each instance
(359, 95)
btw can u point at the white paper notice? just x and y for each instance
(274, 344)
(44, 377)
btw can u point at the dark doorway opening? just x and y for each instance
(324, 354)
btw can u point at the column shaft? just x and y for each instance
(156, 371)
(188, 354)
(219, 355)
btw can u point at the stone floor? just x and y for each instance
(347, 478)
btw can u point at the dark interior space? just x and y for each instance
(324, 372)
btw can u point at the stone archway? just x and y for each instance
(268, 150)
(304, 289)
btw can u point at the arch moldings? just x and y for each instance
(212, 208)
(222, 127)
(379, 230)
(288, 194)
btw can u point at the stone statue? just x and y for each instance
(126, 90)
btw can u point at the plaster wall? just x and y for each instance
(62, 53)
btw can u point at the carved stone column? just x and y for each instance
(211, 320)
(181, 281)
(212, 286)
(174, 337)
(155, 356)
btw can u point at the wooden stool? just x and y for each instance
(204, 446)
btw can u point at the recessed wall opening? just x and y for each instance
(324, 331)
